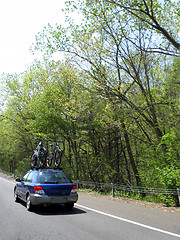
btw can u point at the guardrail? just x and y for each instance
(133, 189)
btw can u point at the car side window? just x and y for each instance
(35, 177)
(25, 176)
(29, 177)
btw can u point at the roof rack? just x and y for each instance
(50, 168)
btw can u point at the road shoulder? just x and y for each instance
(151, 205)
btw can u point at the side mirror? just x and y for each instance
(18, 180)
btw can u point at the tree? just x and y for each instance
(160, 17)
(114, 100)
(110, 48)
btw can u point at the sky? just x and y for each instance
(20, 21)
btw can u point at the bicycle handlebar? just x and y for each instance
(46, 139)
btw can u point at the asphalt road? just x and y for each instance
(92, 218)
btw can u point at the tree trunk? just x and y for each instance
(131, 158)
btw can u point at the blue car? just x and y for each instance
(45, 187)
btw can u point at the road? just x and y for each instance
(92, 218)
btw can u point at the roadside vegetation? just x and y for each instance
(114, 99)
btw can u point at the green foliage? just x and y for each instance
(114, 100)
(169, 177)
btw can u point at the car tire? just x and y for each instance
(16, 198)
(29, 205)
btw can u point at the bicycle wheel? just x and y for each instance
(42, 159)
(33, 160)
(49, 160)
(58, 158)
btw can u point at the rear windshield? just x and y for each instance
(53, 177)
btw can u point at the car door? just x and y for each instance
(20, 186)
(26, 185)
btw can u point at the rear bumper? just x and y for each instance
(37, 199)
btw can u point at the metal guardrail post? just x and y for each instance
(77, 184)
(178, 193)
(113, 189)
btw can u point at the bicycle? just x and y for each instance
(39, 155)
(55, 155)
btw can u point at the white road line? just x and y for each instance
(128, 221)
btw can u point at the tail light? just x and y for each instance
(38, 190)
(74, 190)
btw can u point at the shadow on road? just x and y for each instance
(57, 210)
(54, 210)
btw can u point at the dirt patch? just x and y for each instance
(3, 175)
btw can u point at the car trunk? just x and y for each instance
(57, 189)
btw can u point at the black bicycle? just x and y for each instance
(39, 155)
(55, 155)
